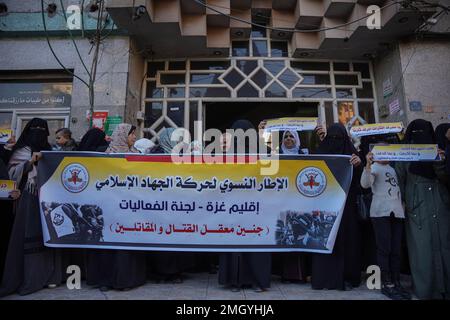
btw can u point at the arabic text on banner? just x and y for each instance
(95, 200)
(376, 128)
(405, 152)
(298, 124)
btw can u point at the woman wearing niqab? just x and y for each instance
(427, 222)
(93, 140)
(30, 266)
(343, 266)
(240, 269)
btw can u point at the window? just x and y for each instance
(153, 91)
(240, 49)
(210, 65)
(366, 111)
(153, 111)
(278, 49)
(169, 78)
(154, 67)
(346, 79)
(260, 48)
(258, 32)
(175, 111)
(310, 66)
(205, 78)
(312, 93)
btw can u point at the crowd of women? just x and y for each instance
(408, 230)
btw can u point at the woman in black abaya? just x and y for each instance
(30, 266)
(342, 267)
(239, 269)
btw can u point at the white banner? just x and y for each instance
(93, 200)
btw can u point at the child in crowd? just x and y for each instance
(387, 215)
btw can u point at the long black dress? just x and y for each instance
(117, 269)
(292, 266)
(344, 264)
(245, 268)
(169, 265)
(30, 266)
(7, 219)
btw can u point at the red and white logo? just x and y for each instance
(75, 178)
(311, 182)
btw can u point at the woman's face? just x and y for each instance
(289, 140)
(131, 138)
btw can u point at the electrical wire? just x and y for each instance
(291, 30)
(53, 52)
(72, 38)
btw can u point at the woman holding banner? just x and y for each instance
(30, 266)
(250, 268)
(427, 217)
(93, 140)
(291, 266)
(169, 266)
(341, 268)
(290, 143)
(118, 269)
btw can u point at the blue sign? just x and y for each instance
(415, 106)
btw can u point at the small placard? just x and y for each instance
(6, 186)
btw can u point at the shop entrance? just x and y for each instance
(221, 115)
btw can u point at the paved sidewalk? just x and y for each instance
(204, 286)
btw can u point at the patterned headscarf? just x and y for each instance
(119, 143)
(165, 141)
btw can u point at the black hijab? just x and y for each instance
(421, 131)
(440, 132)
(244, 125)
(93, 140)
(35, 136)
(337, 141)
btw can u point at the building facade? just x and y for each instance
(187, 63)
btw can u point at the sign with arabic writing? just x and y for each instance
(296, 124)
(405, 152)
(376, 128)
(146, 202)
(35, 95)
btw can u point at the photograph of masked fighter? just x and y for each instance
(74, 223)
